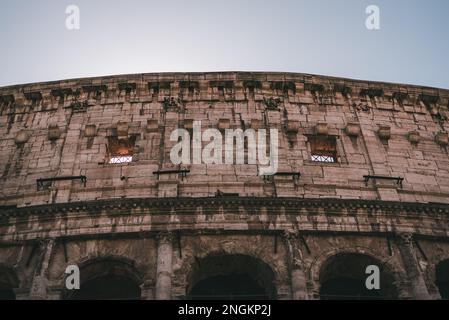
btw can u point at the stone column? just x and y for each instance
(164, 266)
(297, 275)
(414, 274)
(39, 284)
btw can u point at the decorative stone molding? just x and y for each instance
(405, 238)
(177, 202)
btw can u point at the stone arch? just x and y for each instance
(107, 278)
(221, 275)
(442, 278)
(394, 278)
(8, 282)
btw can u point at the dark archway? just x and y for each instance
(8, 282)
(231, 277)
(107, 279)
(342, 277)
(442, 278)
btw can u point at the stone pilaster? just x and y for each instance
(164, 266)
(418, 286)
(39, 284)
(297, 274)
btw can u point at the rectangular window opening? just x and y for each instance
(120, 150)
(323, 149)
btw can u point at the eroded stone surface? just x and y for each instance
(292, 225)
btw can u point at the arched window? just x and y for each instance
(343, 277)
(231, 277)
(107, 279)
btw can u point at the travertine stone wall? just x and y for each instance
(157, 228)
(241, 98)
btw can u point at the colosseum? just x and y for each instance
(87, 180)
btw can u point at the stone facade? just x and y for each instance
(167, 232)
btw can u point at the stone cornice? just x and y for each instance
(211, 76)
(168, 204)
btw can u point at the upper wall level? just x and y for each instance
(332, 131)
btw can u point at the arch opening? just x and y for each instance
(343, 277)
(107, 279)
(231, 277)
(442, 279)
(8, 282)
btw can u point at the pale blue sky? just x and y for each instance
(134, 36)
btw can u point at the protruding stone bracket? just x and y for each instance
(182, 172)
(222, 84)
(428, 99)
(344, 90)
(252, 84)
(127, 87)
(7, 99)
(220, 194)
(61, 93)
(157, 86)
(191, 86)
(33, 96)
(372, 92)
(314, 87)
(295, 175)
(43, 181)
(401, 97)
(97, 89)
(284, 86)
(399, 180)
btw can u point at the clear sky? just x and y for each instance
(326, 37)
